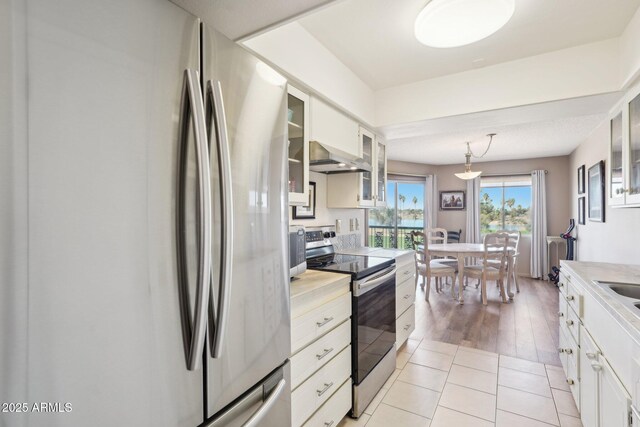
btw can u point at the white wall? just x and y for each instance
(326, 216)
(296, 52)
(617, 239)
(579, 71)
(630, 51)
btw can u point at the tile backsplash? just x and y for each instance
(347, 241)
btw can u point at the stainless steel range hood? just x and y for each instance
(326, 159)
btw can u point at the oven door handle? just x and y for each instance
(368, 284)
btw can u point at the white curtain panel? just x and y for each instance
(539, 266)
(431, 202)
(472, 233)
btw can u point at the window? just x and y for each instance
(505, 204)
(390, 227)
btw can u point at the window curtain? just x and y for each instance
(538, 225)
(472, 234)
(431, 202)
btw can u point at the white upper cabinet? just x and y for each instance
(298, 126)
(362, 189)
(333, 128)
(623, 177)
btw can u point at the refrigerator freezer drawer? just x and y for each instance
(334, 410)
(317, 389)
(319, 353)
(317, 322)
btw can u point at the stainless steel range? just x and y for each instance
(373, 327)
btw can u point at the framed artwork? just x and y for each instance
(581, 207)
(308, 211)
(595, 178)
(581, 180)
(452, 200)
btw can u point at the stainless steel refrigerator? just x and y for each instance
(149, 278)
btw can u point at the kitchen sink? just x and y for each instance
(629, 290)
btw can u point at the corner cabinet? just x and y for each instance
(364, 189)
(623, 169)
(298, 139)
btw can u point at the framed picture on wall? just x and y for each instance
(581, 180)
(308, 211)
(581, 210)
(596, 192)
(452, 200)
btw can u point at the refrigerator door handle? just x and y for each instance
(194, 329)
(216, 101)
(267, 405)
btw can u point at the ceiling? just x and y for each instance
(540, 130)
(374, 38)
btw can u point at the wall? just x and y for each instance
(326, 216)
(558, 192)
(293, 50)
(630, 51)
(616, 239)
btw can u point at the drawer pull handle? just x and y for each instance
(326, 351)
(570, 381)
(591, 356)
(568, 351)
(561, 350)
(596, 367)
(569, 322)
(406, 327)
(329, 424)
(560, 284)
(407, 296)
(324, 390)
(560, 314)
(406, 273)
(570, 298)
(326, 320)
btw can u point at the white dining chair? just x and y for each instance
(513, 252)
(495, 249)
(429, 267)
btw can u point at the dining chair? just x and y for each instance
(514, 243)
(429, 268)
(495, 249)
(454, 236)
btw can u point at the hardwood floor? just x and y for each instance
(526, 328)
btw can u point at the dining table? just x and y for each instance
(464, 250)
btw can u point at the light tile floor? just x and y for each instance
(443, 385)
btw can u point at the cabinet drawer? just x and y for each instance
(563, 283)
(573, 379)
(574, 298)
(319, 353)
(405, 324)
(332, 412)
(405, 296)
(572, 324)
(309, 326)
(312, 393)
(404, 272)
(568, 352)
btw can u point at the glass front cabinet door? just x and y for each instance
(381, 174)
(298, 140)
(368, 183)
(632, 186)
(616, 173)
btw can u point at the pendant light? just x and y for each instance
(453, 23)
(468, 173)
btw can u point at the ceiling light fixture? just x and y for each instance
(468, 173)
(453, 23)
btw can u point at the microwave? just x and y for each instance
(297, 250)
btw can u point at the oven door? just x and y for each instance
(374, 321)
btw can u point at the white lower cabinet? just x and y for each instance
(599, 391)
(405, 297)
(321, 349)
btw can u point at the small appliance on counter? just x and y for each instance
(297, 255)
(373, 323)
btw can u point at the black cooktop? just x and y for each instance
(359, 266)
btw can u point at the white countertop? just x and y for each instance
(381, 252)
(312, 280)
(590, 272)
